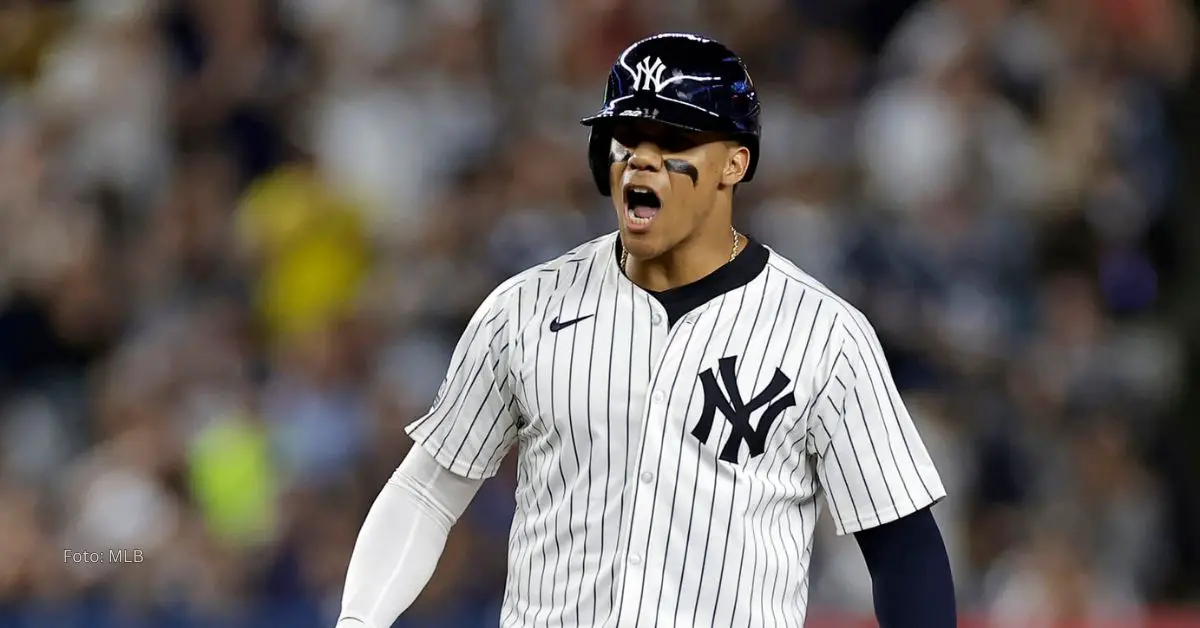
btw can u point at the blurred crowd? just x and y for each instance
(239, 239)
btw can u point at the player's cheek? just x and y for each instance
(680, 221)
(616, 170)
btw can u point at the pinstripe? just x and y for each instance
(782, 504)
(531, 493)
(638, 460)
(591, 448)
(802, 473)
(558, 458)
(754, 386)
(861, 325)
(874, 450)
(767, 488)
(608, 444)
(487, 324)
(455, 369)
(875, 350)
(618, 575)
(500, 414)
(841, 474)
(458, 403)
(497, 457)
(716, 467)
(575, 442)
(519, 535)
(540, 477)
(658, 476)
(695, 473)
(516, 547)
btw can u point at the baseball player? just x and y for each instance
(683, 401)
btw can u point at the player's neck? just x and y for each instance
(690, 261)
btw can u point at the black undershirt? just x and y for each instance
(749, 264)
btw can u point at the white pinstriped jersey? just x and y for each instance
(669, 475)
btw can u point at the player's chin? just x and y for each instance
(645, 244)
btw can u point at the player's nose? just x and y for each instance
(646, 157)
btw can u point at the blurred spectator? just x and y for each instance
(310, 244)
(1051, 581)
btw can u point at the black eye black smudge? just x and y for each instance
(683, 167)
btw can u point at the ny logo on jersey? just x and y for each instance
(737, 412)
(648, 75)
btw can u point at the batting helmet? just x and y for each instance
(686, 81)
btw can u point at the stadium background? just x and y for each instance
(238, 240)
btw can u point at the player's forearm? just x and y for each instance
(910, 573)
(401, 541)
(393, 559)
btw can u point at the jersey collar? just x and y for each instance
(744, 268)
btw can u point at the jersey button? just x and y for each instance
(647, 477)
(657, 397)
(655, 318)
(634, 559)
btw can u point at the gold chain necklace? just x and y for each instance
(732, 254)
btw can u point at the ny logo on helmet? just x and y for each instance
(649, 75)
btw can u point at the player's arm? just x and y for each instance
(911, 580)
(880, 482)
(401, 540)
(458, 444)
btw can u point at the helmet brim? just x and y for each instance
(666, 111)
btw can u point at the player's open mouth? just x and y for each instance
(641, 205)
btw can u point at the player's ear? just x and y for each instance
(737, 161)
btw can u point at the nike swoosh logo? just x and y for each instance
(556, 326)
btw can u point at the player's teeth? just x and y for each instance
(633, 217)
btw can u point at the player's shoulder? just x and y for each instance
(851, 319)
(592, 250)
(538, 281)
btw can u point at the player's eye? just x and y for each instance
(677, 142)
(667, 141)
(629, 137)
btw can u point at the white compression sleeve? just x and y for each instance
(401, 540)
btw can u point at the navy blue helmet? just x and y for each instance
(687, 81)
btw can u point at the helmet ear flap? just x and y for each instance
(599, 156)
